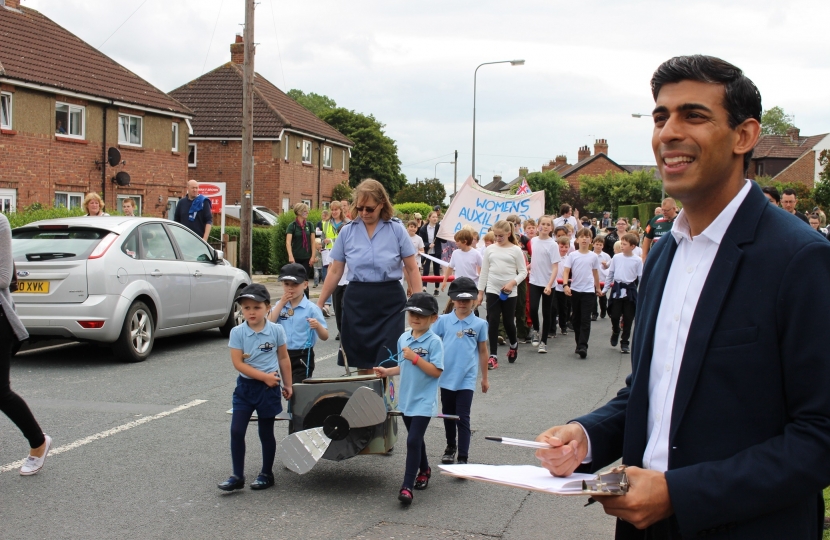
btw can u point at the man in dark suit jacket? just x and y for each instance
(433, 248)
(737, 362)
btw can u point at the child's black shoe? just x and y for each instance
(232, 483)
(422, 480)
(263, 481)
(405, 496)
(449, 455)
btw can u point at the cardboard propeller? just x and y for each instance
(301, 451)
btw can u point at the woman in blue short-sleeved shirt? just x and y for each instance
(378, 252)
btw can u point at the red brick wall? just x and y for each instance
(803, 170)
(274, 178)
(39, 165)
(597, 167)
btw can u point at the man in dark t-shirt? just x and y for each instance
(660, 225)
(788, 202)
(194, 211)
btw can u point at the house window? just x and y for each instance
(69, 120)
(286, 204)
(68, 199)
(175, 136)
(191, 155)
(343, 166)
(285, 157)
(8, 200)
(307, 202)
(129, 129)
(6, 111)
(759, 169)
(136, 206)
(306, 151)
(326, 205)
(327, 156)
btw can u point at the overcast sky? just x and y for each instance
(411, 64)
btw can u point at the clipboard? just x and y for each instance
(613, 482)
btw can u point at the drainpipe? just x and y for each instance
(104, 159)
(319, 169)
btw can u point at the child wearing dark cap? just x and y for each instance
(259, 354)
(465, 354)
(421, 361)
(302, 320)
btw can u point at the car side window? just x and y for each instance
(193, 249)
(155, 244)
(130, 245)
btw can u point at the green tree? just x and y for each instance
(821, 193)
(430, 191)
(315, 103)
(775, 122)
(375, 155)
(551, 183)
(342, 192)
(612, 189)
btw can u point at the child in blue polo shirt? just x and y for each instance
(465, 352)
(255, 346)
(421, 362)
(302, 320)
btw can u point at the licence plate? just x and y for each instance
(33, 287)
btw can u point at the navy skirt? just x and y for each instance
(373, 321)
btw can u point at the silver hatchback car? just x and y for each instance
(122, 281)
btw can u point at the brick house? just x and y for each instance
(789, 158)
(63, 104)
(297, 156)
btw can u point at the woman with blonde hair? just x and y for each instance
(299, 240)
(94, 205)
(375, 250)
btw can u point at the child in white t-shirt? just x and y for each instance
(543, 272)
(464, 261)
(601, 305)
(623, 279)
(562, 304)
(582, 268)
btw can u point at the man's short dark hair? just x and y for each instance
(742, 100)
(789, 191)
(772, 192)
(564, 209)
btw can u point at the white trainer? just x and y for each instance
(34, 464)
(534, 338)
(543, 348)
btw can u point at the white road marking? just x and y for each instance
(107, 433)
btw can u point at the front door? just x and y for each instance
(208, 281)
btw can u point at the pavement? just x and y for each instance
(139, 449)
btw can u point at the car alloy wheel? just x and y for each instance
(137, 334)
(140, 331)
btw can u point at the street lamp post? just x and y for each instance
(435, 174)
(662, 185)
(475, 76)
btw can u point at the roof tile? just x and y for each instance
(37, 50)
(783, 146)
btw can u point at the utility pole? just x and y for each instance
(247, 199)
(455, 175)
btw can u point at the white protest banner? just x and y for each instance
(482, 209)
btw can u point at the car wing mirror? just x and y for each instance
(218, 255)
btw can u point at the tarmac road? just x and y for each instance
(143, 446)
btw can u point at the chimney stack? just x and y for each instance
(14, 4)
(238, 51)
(496, 178)
(584, 152)
(794, 133)
(523, 171)
(600, 147)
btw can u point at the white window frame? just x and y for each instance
(343, 166)
(70, 108)
(69, 196)
(138, 201)
(307, 202)
(195, 155)
(11, 196)
(175, 137)
(7, 97)
(326, 205)
(285, 156)
(327, 157)
(307, 145)
(286, 204)
(129, 117)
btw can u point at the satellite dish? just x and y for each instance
(114, 157)
(122, 178)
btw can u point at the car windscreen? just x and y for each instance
(266, 210)
(69, 243)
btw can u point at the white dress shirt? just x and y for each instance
(687, 276)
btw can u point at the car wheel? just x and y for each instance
(137, 335)
(235, 317)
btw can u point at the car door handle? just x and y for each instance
(156, 273)
(197, 273)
